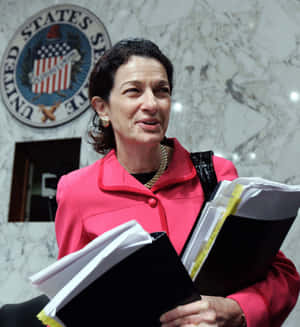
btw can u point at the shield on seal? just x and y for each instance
(52, 64)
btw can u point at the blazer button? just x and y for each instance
(152, 202)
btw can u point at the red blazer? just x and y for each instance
(103, 195)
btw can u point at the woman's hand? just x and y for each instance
(210, 311)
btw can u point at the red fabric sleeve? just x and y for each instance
(268, 303)
(225, 169)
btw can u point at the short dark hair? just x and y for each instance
(102, 80)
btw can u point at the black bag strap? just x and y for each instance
(203, 163)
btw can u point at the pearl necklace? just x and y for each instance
(162, 166)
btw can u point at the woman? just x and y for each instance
(151, 179)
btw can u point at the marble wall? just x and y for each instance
(237, 91)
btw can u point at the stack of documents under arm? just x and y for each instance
(238, 234)
(128, 277)
(124, 277)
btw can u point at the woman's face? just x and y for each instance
(139, 103)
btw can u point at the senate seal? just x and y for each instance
(45, 68)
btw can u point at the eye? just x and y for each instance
(132, 90)
(163, 91)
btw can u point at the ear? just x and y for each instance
(100, 106)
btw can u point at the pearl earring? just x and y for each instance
(105, 122)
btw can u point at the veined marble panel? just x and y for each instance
(26, 248)
(237, 91)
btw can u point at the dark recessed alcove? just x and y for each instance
(37, 168)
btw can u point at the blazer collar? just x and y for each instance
(113, 177)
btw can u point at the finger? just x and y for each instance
(204, 318)
(183, 321)
(202, 324)
(185, 310)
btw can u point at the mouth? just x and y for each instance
(149, 124)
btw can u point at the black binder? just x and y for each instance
(243, 250)
(135, 292)
(242, 254)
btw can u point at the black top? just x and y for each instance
(144, 177)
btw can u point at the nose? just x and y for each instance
(149, 101)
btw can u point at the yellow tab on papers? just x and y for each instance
(47, 320)
(230, 210)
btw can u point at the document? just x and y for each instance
(124, 277)
(112, 247)
(238, 234)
